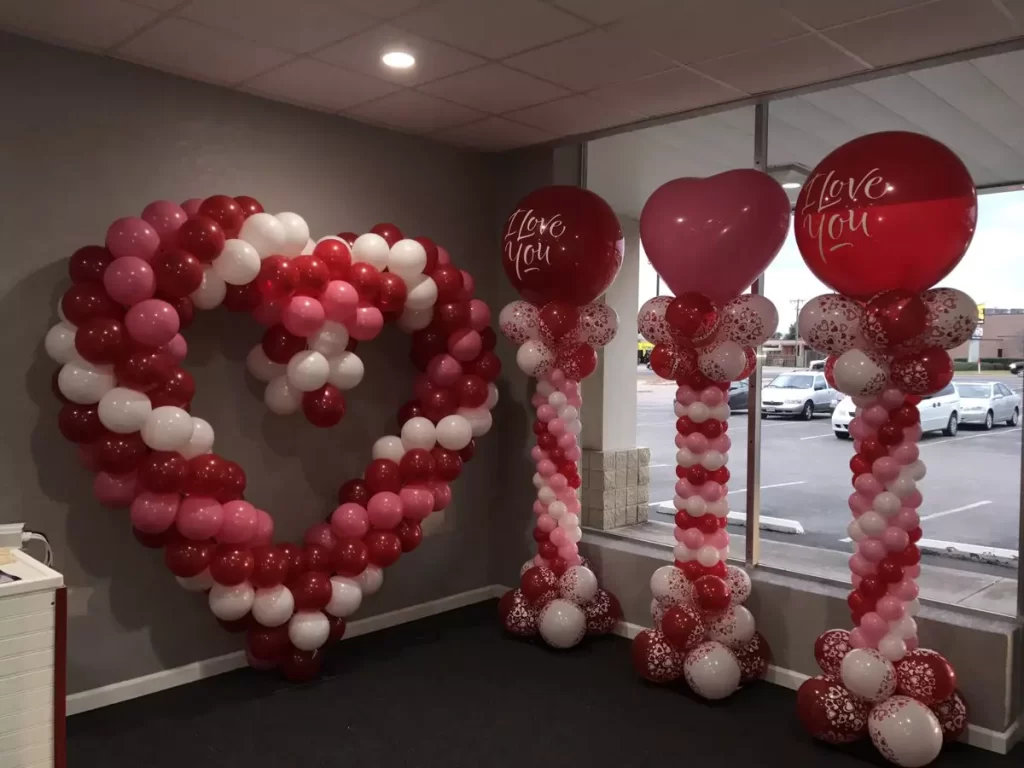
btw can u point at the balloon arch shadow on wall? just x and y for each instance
(126, 402)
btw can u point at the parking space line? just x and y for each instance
(766, 487)
(1010, 431)
(766, 522)
(964, 508)
(816, 437)
(973, 552)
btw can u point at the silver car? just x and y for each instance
(987, 402)
(800, 393)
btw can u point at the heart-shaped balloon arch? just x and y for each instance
(126, 402)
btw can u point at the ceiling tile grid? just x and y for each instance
(554, 68)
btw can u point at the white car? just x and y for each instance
(987, 402)
(800, 393)
(939, 411)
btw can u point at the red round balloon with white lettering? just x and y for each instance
(562, 244)
(886, 211)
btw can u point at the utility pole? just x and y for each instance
(797, 303)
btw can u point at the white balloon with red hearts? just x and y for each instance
(832, 324)
(868, 674)
(739, 584)
(562, 623)
(749, 320)
(905, 731)
(670, 585)
(598, 325)
(722, 360)
(952, 318)
(578, 585)
(651, 320)
(519, 321)
(858, 372)
(712, 670)
(734, 627)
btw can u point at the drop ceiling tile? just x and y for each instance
(197, 51)
(828, 13)
(362, 52)
(414, 112)
(99, 26)
(927, 30)
(576, 114)
(607, 11)
(383, 9)
(159, 5)
(314, 84)
(494, 88)
(1005, 71)
(589, 60)
(694, 30)
(677, 90)
(492, 28)
(1016, 9)
(494, 134)
(295, 25)
(801, 61)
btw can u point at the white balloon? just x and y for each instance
(124, 410)
(749, 320)
(868, 674)
(265, 233)
(686, 458)
(373, 249)
(238, 263)
(916, 470)
(492, 397)
(201, 441)
(905, 731)
(739, 585)
(422, 293)
(345, 370)
(733, 628)
(296, 233)
(698, 412)
(415, 319)
(569, 520)
(480, 420)
(167, 428)
(231, 603)
(309, 248)
(574, 426)
(370, 580)
(454, 432)
(535, 358)
(346, 596)
(330, 340)
(538, 481)
(198, 583)
(887, 504)
(308, 630)
(905, 627)
(546, 495)
(545, 388)
(578, 584)
(695, 507)
(407, 259)
(281, 397)
(568, 412)
(557, 399)
(721, 412)
(892, 647)
(707, 555)
(308, 370)
(712, 670)
(273, 606)
(211, 291)
(683, 553)
(871, 523)
(262, 367)
(558, 510)
(713, 460)
(576, 535)
(419, 432)
(562, 624)
(679, 410)
(858, 372)
(85, 383)
(718, 508)
(60, 343)
(389, 447)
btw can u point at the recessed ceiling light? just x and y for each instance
(398, 59)
(792, 185)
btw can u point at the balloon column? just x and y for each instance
(709, 239)
(880, 220)
(126, 402)
(562, 249)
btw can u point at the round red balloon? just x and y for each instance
(828, 711)
(886, 211)
(562, 243)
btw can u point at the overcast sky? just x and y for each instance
(992, 271)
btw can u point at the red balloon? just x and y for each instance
(184, 307)
(830, 648)
(469, 451)
(754, 658)
(366, 279)
(299, 666)
(451, 316)
(890, 434)
(319, 558)
(683, 627)
(242, 298)
(80, 423)
(890, 571)
(692, 316)
(539, 585)
(416, 466)
(425, 345)
(311, 590)
(711, 594)
(278, 278)
(562, 243)
(696, 474)
(893, 318)
(267, 643)
(655, 658)
(829, 712)
(163, 472)
(547, 550)
(178, 390)
(202, 237)
(487, 366)
(206, 475)
(885, 211)
(119, 454)
(829, 370)
(270, 567)
(88, 264)
(144, 371)
(872, 588)
(383, 475)
(233, 486)
(438, 403)
(156, 540)
(313, 275)
(410, 534)
(905, 416)
(384, 547)
(517, 615)
(489, 340)
(226, 211)
(348, 237)
(324, 407)
(859, 465)
(431, 248)
(952, 715)
(355, 491)
(393, 293)
(471, 391)
(296, 556)
(351, 556)
(249, 205)
(389, 232)
(231, 565)
(102, 341)
(925, 675)
(338, 627)
(279, 344)
(712, 428)
(83, 302)
(558, 320)
(558, 565)
(672, 362)
(872, 449)
(577, 362)
(337, 255)
(922, 373)
(178, 273)
(185, 557)
(448, 279)
(447, 464)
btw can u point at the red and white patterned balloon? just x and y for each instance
(830, 648)
(598, 325)
(925, 675)
(905, 731)
(520, 618)
(829, 712)
(722, 360)
(860, 372)
(923, 372)
(658, 607)
(734, 627)
(952, 715)
(754, 658)
(651, 320)
(519, 321)
(669, 583)
(578, 585)
(739, 584)
(562, 624)
(749, 320)
(832, 324)
(712, 670)
(655, 659)
(603, 613)
(868, 674)
(952, 317)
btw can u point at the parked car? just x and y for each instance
(938, 411)
(739, 395)
(987, 402)
(800, 393)
(643, 352)
(1017, 369)
(817, 365)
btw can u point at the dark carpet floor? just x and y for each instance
(452, 691)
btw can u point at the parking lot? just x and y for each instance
(971, 492)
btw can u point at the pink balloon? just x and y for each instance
(154, 512)
(465, 345)
(573, 505)
(115, 491)
(692, 537)
(859, 504)
(539, 561)
(240, 521)
(905, 453)
(574, 454)
(857, 639)
(712, 396)
(912, 571)
(539, 507)
(468, 286)
(166, 218)
(571, 388)
(538, 400)
(269, 312)
(129, 280)
(684, 488)
(905, 590)
(568, 551)
(442, 255)
(558, 537)
(895, 539)
(191, 206)
(722, 443)
(872, 549)
(575, 400)
(199, 518)
(686, 395)
(712, 491)
(719, 539)
(479, 315)
(538, 454)
(546, 468)
(303, 315)
(417, 502)
(566, 440)
(873, 626)
(176, 348)
(340, 300)
(132, 237)
(680, 440)
(566, 495)
(715, 235)
(442, 494)
(321, 535)
(444, 370)
(152, 322)
(547, 523)
(912, 433)
(678, 533)
(264, 529)
(886, 469)
(913, 500)
(907, 519)
(858, 429)
(384, 510)
(911, 643)
(350, 521)
(546, 413)
(558, 482)
(890, 608)
(366, 324)
(868, 485)
(856, 580)
(875, 416)
(891, 398)
(862, 567)
(697, 442)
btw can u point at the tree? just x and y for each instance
(791, 333)
(777, 335)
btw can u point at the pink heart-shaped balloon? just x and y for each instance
(715, 235)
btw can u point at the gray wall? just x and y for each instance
(84, 140)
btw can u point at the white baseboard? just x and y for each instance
(198, 670)
(1000, 742)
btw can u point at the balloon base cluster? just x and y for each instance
(909, 708)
